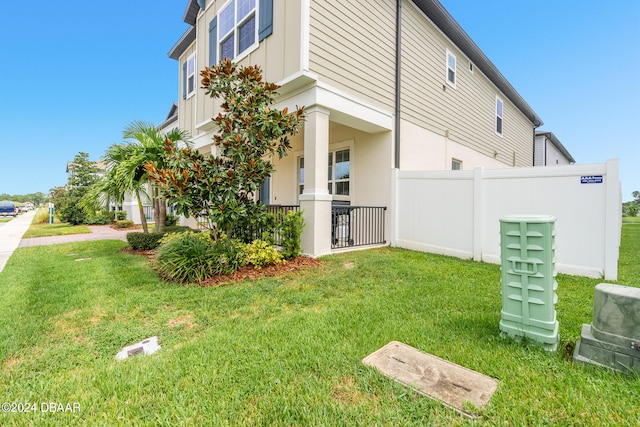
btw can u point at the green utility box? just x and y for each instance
(527, 245)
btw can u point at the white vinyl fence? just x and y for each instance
(457, 212)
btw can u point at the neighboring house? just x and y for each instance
(549, 151)
(171, 122)
(386, 84)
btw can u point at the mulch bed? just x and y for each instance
(248, 272)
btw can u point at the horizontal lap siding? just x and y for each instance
(467, 112)
(352, 47)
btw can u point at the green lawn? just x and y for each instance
(56, 229)
(286, 351)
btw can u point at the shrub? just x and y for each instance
(292, 225)
(99, 217)
(170, 220)
(228, 256)
(42, 217)
(118, 215)
(192, 257)
(260, 253)
(169, 237)
(144, 241)
(177, 229)
(124, 223)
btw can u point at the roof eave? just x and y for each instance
(191, 12)
(448, 25)
(183, 43)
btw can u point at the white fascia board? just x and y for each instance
(344, 108)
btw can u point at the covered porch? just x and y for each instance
(338, 171)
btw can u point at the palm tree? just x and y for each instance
(144, 143)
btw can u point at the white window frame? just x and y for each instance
(449, 69)
(191, 75)
(455, 162)
(499, 116)
(235, 30)
(331, 178)
(333, 149)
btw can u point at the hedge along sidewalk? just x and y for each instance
(98, 232)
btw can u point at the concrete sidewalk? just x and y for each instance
(98, 232)
(11, 236)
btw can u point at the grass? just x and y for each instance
(56, 229)
(631, 219)
(285, 351)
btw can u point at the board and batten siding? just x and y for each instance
(467, 111)
(186, 106)
(352, 47)
(278, 55)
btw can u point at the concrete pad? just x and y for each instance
(432, 376)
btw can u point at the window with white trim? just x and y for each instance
(451, 69)
(191, 75)
(237, 28)
(499, 115)
(300, 175)
(456, 164)
(338, 174)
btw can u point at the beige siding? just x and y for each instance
(352, 45)
(186, 107)
(466, 112)
(279, 56)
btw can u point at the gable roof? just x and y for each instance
(555, 141)
(434, 10)
(171, 117)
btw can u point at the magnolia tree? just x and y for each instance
(250, 133)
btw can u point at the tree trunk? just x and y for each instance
(162, 215)
(156, 210)
(143, 218)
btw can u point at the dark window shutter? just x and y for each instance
(184, 80)
(213, 42)
(265, 27)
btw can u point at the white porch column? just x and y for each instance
(315, 199)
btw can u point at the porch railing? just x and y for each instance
(351, 226)
(148, 212)
(357, 226)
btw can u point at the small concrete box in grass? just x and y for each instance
(613, 338)
(527, 248)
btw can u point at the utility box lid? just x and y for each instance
(528, 218)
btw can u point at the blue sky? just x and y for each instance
(74, 74)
